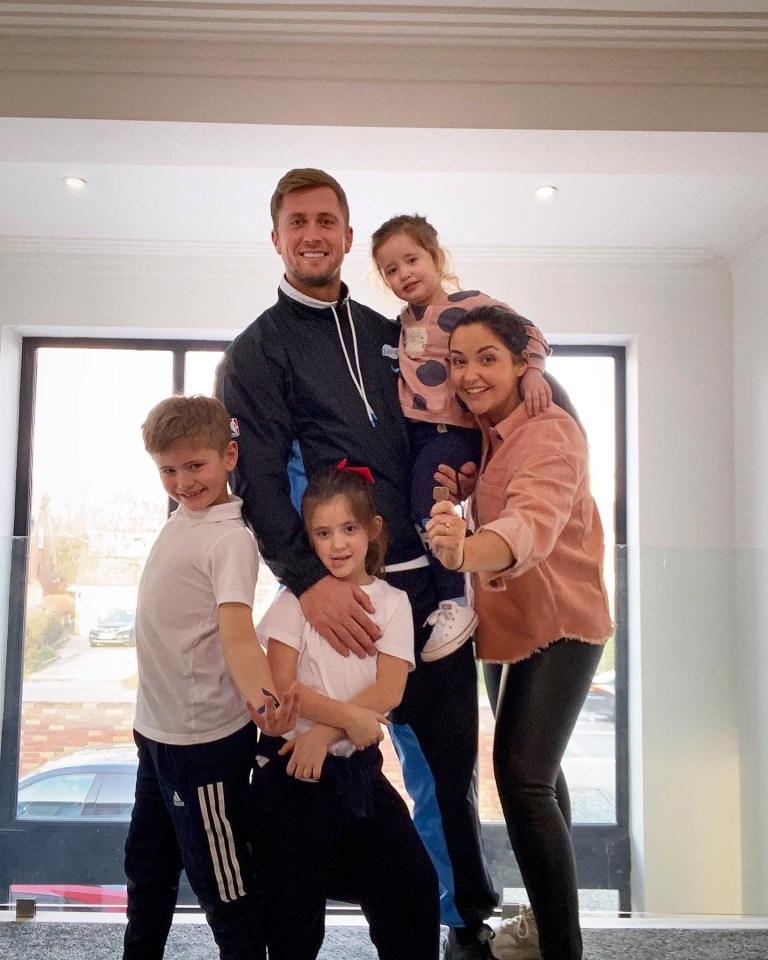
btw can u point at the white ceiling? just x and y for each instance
(210, 184)
(163, 183)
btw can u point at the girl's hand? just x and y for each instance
(537, 393)
(460, 484)
(273, 720)
(447, 533)
(308, 752)
(363, 726)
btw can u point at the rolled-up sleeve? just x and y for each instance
(537, 502)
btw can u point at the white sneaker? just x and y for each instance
(452, 625)
(517, 938)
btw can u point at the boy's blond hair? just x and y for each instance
(197, 419)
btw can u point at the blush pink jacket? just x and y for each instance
(533, 491)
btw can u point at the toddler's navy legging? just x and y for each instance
(431, 445)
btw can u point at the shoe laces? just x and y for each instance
(442, 614)
(520, 927)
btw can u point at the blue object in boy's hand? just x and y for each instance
(268, 693)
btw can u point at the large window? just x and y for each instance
(596, 762)
(89, 506)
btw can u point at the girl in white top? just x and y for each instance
(335, 826)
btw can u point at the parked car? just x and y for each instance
(116, 627)
(601, 699)
(92, 784)
(96, 784)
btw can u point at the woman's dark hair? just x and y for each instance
(334, 482)
(511, 329)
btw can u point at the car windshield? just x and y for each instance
(118, 616)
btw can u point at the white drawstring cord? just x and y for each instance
(357, 380)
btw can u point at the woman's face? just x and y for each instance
(484, 372)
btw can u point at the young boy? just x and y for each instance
(199, 663)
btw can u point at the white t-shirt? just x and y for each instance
(320, 667)
(200, 560)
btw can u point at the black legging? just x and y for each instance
(538, 704)
(493, 673)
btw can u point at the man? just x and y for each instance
(313, 381)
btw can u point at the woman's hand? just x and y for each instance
(461, 483)
(447, 533)
(308, 752)
(363, 726)
(536, 392)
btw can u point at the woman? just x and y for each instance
(536, 561)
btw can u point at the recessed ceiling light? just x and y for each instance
(545, 192)
(75, 183)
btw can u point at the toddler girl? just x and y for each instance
(410, 260)
(336, 827)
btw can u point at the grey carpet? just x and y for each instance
(79, 941)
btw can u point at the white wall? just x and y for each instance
(750, 282)
(683, 723)
(676, 318)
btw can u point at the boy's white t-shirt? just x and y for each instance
(320, 667)
(200, 560)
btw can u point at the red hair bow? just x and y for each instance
(364, 472)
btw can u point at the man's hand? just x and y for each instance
(363, 726)
(537, 393)
(308, 752)
(337, 610)
(460, 485)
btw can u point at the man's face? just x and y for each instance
(312, 239)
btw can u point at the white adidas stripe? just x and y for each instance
(221, 842)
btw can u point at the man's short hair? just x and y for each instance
(306, 178)
(198, 419)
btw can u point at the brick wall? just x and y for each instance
(50, 729)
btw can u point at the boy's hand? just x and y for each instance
(273, 719)
(363, 726)
(339, 612)
(308, 752)
(460, 485)
(537, 393)
(447, 533)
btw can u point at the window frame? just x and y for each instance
(602, 850)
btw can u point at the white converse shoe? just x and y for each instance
(517, 938)
(452, 625)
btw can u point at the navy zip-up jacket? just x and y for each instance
(285, 379)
